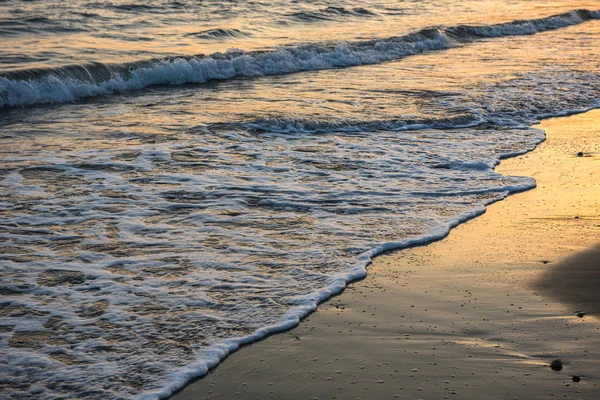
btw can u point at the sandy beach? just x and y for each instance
(479, 314)
(287, 199)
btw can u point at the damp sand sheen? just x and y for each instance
(479, 314)
(173, 192)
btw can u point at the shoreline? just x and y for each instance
(392, 274)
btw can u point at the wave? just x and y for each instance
(70, 83)
(35, 25)
(331, 13)
(277, 125)
(219, 33)
(133, 7)
(136, 7)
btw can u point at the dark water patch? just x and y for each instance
(132, 7)
(219, 33)
(332, 13)
(34, 25)
(87, 14)
(30, 340)
(139, 7)
(127, 37)
(14, 310)
(109, 167)
(16, 58)
(6, 328)
(59, 277)
(65, 358)
(93, 310)
(317, 126)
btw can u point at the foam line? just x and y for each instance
(70, 83)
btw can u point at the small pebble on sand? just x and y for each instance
(556, 365)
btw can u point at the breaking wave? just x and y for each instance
(70, 83)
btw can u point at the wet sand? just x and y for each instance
(480, 314)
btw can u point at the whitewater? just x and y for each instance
(64, 84)
(178, 180)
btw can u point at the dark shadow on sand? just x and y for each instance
(574, 281)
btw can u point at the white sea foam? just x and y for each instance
(182, 250)
(192, 248)
(76, 82)
(142, 242)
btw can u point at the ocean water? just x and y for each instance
(179, 178)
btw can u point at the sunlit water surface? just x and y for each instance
(154, 218)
